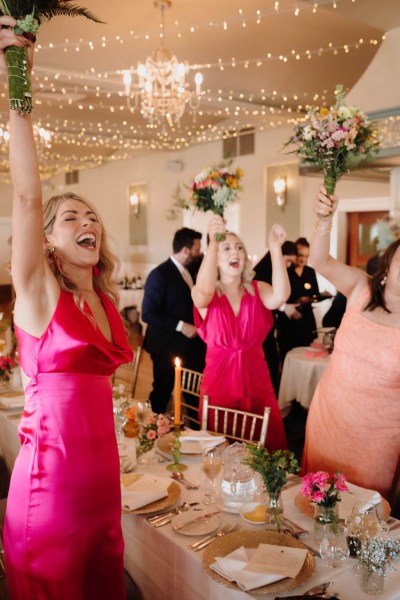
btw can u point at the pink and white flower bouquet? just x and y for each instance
(153, 428)
(337, 139)
(324, 489)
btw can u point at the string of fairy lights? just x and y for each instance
(113, 134)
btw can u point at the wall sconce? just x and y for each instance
(280, 191)
(134, 200)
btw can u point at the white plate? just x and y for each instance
(249, 507)
(202, 527)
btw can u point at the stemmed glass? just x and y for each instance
(211, 465)
(120, 420)
(362, 525)
(143, 410)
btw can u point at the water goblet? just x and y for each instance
(143, 410)
(120, 420)
(334, 548)
(211, 466)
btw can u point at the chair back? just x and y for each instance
(127, 373)
(191, 381)
(236, 424)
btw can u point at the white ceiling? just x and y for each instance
(262, 65)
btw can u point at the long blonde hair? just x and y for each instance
(247, 273)
(108, 262)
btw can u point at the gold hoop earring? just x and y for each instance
(51, 257)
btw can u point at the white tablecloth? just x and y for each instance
(300, 377)
(165, 569)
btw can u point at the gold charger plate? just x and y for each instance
(251, 539)
(174, 491)
(164, 444)
(305, 506)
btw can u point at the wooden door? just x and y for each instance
(361, 236)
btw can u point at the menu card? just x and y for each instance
(280, 560)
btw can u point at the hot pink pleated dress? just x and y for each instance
(236, 374)
(63, 538)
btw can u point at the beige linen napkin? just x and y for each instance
(232, 568)
(202, 439)
(12, 400)
(142, 491)
(357, 494)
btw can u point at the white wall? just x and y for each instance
(106, 187)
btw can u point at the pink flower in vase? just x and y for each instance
(151, 434)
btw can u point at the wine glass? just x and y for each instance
(143, 410)
(120, 420)
(211, 466)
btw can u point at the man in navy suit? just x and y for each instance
(168, 311)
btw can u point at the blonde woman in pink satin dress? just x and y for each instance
(62, 536)
(233, 316)
(353, 424)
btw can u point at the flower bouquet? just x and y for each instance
(153, 428)
(214, 188)
(376, 558)
(324, 490)
(337, 139)
(273, 468)
(29, 15)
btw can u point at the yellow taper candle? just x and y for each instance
(177, 392)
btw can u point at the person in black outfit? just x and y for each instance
(263, 272)
(168, 310)
(296, 323)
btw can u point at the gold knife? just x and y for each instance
(196, 520)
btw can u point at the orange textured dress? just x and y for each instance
(353, 424)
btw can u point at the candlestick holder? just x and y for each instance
(176, 452)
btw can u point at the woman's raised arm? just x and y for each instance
(204, 289)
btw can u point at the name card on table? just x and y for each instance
(280, 560)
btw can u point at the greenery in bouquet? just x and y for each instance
(378, 554)
(272, 466)
(29, 15)
(336, 139)
(324, 489)
(7, 364)
(153, 428)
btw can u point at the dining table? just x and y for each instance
(302, 369)
(162, 565)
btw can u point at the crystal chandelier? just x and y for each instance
(162, 92)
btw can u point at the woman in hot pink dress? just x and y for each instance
(354, 420)
(233, 317)
(62, 536)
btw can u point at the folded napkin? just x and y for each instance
(12, 400)
(357, 494)
(142, 491)
(127, 459)
(205, 439)
(232, 568)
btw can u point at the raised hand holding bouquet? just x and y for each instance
(213, 189)
(337, 139)
(29, 14)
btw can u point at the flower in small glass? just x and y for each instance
(324, 489)
(153, 428)
(378, 554)
(337, 139)
(7, 364)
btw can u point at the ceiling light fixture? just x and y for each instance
(162, 91)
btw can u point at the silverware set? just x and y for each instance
(178, 476)
(206, 541)
(165, 518)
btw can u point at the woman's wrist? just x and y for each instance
(323, 226)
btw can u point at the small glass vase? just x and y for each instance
(274, 510)
(147, 458)
(371, 582)
(326, 522)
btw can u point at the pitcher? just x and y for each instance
(238, 485)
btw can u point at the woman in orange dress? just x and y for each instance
(354, 420)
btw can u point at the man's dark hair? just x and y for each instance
(289, 248)
(184, 238)
(301, 241)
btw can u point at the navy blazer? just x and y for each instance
(167, 300)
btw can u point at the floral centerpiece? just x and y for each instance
(213, 189)
(376, 558)
(153, 428)
(273, 468)
(7, 364)
(29, 15)
(324, 490)
(337, 139)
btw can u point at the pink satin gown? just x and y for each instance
(63, 538)
(236, 374)
(353, 425)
